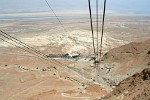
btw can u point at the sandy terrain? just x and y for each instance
(33, 78)
(26, 77)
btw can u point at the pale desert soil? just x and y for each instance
(26, 77)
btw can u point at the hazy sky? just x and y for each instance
(120, 6)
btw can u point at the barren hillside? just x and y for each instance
(133, 57)
(136, 87)
(137, 52)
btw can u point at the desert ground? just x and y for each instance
(24, 76)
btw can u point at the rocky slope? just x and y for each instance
(136, 87)
(117, 64)
(134, 62)
(137, 52)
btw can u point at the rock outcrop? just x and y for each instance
(136, 87)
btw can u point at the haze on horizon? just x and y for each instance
(131, 7)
